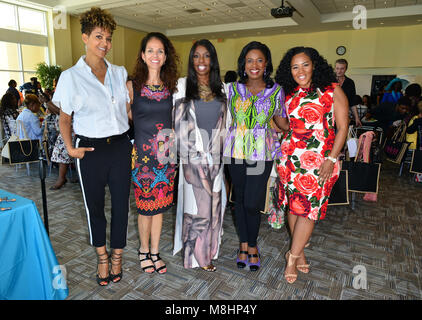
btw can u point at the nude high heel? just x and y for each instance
(290, 261)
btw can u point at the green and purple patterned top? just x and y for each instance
(250, 135)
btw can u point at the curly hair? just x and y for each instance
(322, 76)
(241, 62)
(215, 83)
(8, 102)
(96, 17)
(169, 71)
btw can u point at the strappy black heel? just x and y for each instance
(156, 260)
(116, 257)
(148, 257)
(241, 264)
(106, 280)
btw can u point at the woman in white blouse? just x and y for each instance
(95, 91)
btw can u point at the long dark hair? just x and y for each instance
(241, 62)
(322, 76)
(168, 73)
(215, 83)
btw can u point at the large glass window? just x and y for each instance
(19, 60)
(8, 18)
(32, 21)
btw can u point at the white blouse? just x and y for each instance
(99, 109)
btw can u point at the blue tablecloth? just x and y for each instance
(28, 265)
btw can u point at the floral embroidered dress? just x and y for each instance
(250, 135)
(152, 171)
(309, 140)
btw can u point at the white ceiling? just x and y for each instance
(235, 18)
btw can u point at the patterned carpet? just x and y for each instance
(383, 239)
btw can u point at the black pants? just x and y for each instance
(250, 191)
(109, 164)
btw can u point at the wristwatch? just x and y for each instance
(333, 160)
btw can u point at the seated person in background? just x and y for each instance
(230, 76)
(358, 110)
(414, 130)
(393, 93)
(366, 101)
(30, 87)
(12, 89)
(388, 112)
(29, 120)
(413, 91)
(8, 114)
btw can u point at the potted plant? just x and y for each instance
(46, 74)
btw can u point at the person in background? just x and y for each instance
(414, 130)
(151, 86)
(12, 89)
(230, 76)
(93, 94)
(201, 104)
(251, 145)
(8, 114)
(318, 115)
(413, 91)
(393, 93)
(366, 101)
(30, 87)
(57, 148)
(388, 112)
(360, 107)
(348, 86)
(29, 120)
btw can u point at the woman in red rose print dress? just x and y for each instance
(308, 169)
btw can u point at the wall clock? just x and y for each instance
(341, 50)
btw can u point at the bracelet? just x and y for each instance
(333, 160)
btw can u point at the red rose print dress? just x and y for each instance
(309, 140)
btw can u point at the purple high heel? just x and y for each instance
(241, 264)
(254, 266)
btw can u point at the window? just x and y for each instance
(8, 16)
(19, 60)
(32, 21)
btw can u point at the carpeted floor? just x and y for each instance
(383, 239)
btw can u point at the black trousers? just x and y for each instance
(250, 190)
(109, 164)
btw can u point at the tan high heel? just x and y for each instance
(290, 262)
(303, 266)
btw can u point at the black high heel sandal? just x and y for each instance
(158, 259)
(148, 257)
(116, 257)
(106, 280)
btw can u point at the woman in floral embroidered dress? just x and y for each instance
(308, 169)
(251, 145)
(153, 83)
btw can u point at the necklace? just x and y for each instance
(205, 93)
